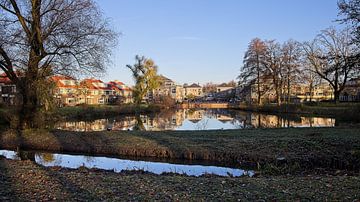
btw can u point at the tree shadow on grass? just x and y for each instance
(24, 180)
(7, 190)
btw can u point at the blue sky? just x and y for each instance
(205, 40)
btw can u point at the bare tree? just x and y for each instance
(209, 88)
(291, 55)
(330, 55)
(275, 67)
(40, 38)
(254, 68)
(350, 9)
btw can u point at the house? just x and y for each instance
(319, 92)
(67, 91)
(192, 91)
(8, 92)
(167, 87)
(351, 91)
(121, 92)
(164, 89)
(223, 87)
(97, 92)
(177, 92)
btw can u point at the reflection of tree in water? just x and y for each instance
(202, 125)
(243, 120)
(139, 125)
(48, 158)
(89, 159)
(164, 119)
(26, 155)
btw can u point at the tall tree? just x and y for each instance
(350, 9)
(145, 76)
(291, 53)
(40, 38)
(254, 68)
(330, 55)
(274, 65)
(309, 77)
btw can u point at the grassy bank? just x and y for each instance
(274, 151)
(26, 181)
(348, 112)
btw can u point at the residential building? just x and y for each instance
(121, 92)
(8, 92)
(351, 91)
(67, 91)
(223, 87)
(97, 91)
(192, 91)
(164, 89)
(178, 93)
(167, 87)
(70, 92)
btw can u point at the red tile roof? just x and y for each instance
(90, 83)
(58, 78)
(118, 85)
(5, 79)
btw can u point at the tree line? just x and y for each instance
(332, 57)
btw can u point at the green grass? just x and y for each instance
(275, 151)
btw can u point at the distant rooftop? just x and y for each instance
(194, 85)
(224, 85)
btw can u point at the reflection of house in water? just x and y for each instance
(172, 120)
(273, 121)
(164, 121)
(194, 115)
(126, 123)
(98, 125)
(224, 118)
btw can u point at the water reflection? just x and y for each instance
(118, 165)
(196, 120)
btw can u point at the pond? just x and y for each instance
(118, 165)
(185, 119)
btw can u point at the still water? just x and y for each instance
(210, 119)
(118, 165)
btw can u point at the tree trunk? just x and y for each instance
(288, 88)
(30, 108)
(258, 80)
(336, 96)
(311, 91)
